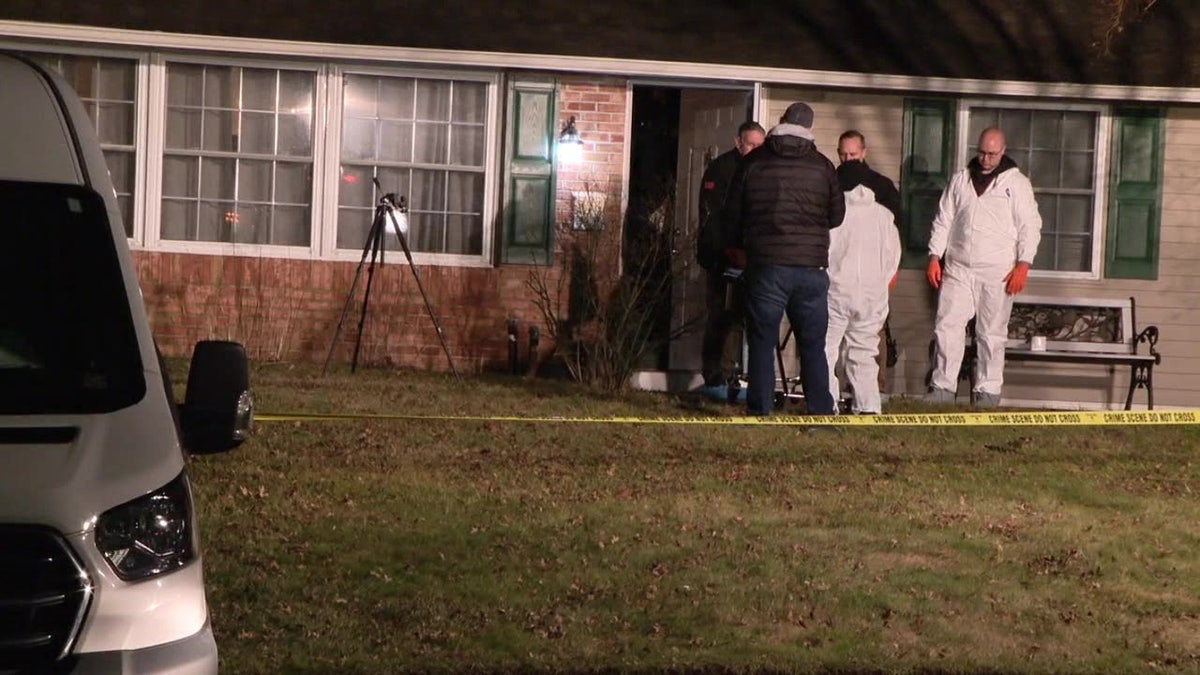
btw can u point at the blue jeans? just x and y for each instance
(803, 292)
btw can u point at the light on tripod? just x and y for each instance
(397, 220)
(570, 143)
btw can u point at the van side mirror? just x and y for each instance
(218, 408)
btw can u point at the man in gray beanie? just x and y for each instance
(783, 201)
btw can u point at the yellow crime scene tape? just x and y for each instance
(963, 419)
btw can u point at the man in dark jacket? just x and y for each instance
(783, 201)
(852, 147)
(722, 325)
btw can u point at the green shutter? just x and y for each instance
(928, 164)
(529, 177)
(1135, 194)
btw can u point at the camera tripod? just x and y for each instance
(394, 211)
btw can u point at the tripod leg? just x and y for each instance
(367, 247)
(376, 239)
(424, 296)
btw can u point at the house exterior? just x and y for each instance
(245, 146)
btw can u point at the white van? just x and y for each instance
(100, 568)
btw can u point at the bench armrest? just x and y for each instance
(1149, 336)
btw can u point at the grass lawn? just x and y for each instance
(481, 546)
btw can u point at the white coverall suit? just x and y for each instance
(982, 237)
(864, 254)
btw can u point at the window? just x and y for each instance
(108, 89)
(238, 155)
(1057, 150)
(425, 140)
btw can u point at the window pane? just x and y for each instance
(360, 96)
(258, 89)
(1044, 169)
(426, 231)
(397, 182)
(254, 181)
(464, 234)
(980, 119)
(1046, 131)
(185, 85)
(1078, 131)
(291, 226)
(178, 219)
(120, 168)
(183, 128)
(428, 191)
(465, 193)
(432, 143)
(215, 221)
(251, 224)
(221, 87)
(1016, 125)
(353, 225)
(295, 135)
(396, 98)
(358, 139)
(1075, 214)
(118, 80)
(293, 183)
(1044, 260)
(355, 188)
(466, 145)
(220, 130)
(115, 123)
(470, 102)
(1078, 168)
(181, 176)
(1074, 254)
(433, 100)
(258, 133)
(396, 141)
(217, 178)
(296, 92)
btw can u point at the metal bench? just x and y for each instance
(1080, 330)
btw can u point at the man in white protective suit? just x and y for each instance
(988, 228)
(864, 256)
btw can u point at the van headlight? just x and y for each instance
(150, 535)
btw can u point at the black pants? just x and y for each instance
(721, 350)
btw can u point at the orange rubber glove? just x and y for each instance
(1014, 281)
(933, 272)
(892, 283)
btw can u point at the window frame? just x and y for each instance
(492, 172)
(157, 139)
(965, 150)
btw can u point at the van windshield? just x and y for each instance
(67, 343)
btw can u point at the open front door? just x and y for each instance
(708, 122)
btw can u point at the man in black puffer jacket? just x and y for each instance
(783, 201)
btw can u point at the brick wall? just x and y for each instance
(284, 309)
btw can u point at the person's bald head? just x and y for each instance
(991, 148)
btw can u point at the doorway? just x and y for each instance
(676, 133)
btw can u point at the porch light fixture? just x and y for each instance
(570, 143)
